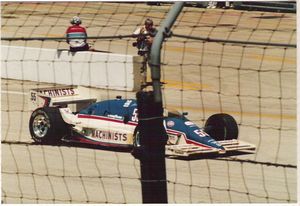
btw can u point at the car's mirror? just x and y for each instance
(126, 119)
(185, 113)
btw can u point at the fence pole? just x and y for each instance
(163, 32)
(151, 152)
(153, 137)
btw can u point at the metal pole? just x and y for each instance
(163, 32)
(153, 136)
(151, 152)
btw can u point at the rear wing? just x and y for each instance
(60, 96)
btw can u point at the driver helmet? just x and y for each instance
(75, 20)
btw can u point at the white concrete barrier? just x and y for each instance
(95, 69)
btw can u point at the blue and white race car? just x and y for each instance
(113, 123)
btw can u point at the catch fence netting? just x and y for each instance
(217, 61)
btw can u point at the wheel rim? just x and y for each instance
(40, 126)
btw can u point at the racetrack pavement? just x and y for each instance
(256, 85)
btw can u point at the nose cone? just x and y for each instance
(223, 151)
(213, 143)
(198, 135)
(194, 134)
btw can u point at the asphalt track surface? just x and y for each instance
(261, 96)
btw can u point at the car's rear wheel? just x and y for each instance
(221, 127)
(46, 125)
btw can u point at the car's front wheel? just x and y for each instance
(136, 138)
(46, 125)
(221, 127)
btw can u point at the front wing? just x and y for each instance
(186, 150)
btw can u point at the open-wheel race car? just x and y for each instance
(113, 123)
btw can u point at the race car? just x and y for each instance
(114, 123)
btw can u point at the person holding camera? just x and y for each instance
(145, 36)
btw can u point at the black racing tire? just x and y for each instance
(136, 138)
(221, 127)
(136, 146)
(46, 125)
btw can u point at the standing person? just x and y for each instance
(74, 31)
(146, 34)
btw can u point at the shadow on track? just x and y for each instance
(128, 150)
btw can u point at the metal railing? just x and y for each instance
(277, 6)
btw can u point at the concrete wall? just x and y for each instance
(95, 69)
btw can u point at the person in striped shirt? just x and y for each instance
(76, 31)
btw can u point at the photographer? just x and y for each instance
(146, 34)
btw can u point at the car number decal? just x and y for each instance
(201, 133)
(134, 116)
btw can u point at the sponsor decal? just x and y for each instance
(213, 142)
(170, 123)
(113, 136)
(127, 103)
(58, 92)
(66, 109)
(188, 123)
(115, 116)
